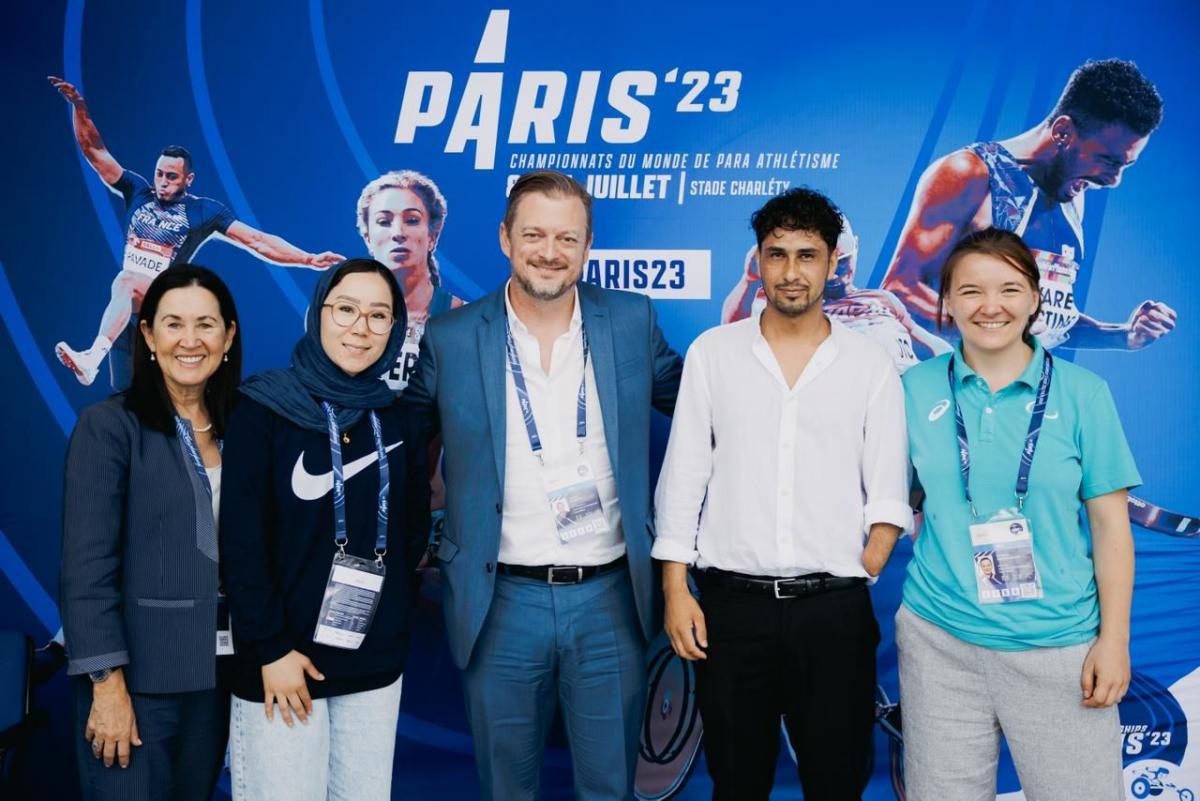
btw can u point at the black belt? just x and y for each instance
(560, 574)
(788, 587)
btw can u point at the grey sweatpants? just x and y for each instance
(959, 698)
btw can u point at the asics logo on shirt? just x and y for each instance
(938, 409)
(308, 487)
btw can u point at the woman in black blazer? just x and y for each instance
(139, 585)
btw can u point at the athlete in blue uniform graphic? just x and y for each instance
(164, 224)
(1033, 184)
(876, 313)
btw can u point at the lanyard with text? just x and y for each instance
(514, 364)
(570, 485)
(339, 484)
(1031, 438)
(355, 585)
(184, 432)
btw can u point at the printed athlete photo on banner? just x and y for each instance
(165, 225)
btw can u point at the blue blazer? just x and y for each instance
(138, 582)
(459, 386)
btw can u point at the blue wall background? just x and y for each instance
(290, 108)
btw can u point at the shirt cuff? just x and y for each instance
(91, 664)
(898, 513)
(668, 551)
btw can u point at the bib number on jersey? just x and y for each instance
(145, 257)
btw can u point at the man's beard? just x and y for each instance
(541, 294)
(799, 308)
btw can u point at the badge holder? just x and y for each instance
(574, 501)
(1005, 569)
(351, 598)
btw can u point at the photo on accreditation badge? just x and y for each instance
(1005, 572)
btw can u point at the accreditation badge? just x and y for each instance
(224, 630)
(574, 501)
(1004, 566)
(145, 257)
(351, 598)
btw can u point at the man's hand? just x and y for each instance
(1150, 321)
(67, 90)
(323, 261)
(1105, 672)
(684, 624)
(283, 681)
(111, 727)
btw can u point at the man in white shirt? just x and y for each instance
(543, 391)
(785, 485)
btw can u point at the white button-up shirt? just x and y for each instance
(783, 481)
(528, 535)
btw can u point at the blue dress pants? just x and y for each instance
(577, 646)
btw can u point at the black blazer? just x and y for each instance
(138, 585)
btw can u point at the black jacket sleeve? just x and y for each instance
(247, 528)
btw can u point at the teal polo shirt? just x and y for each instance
(1081, 454)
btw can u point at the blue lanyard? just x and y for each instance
(340, 537)
(184, 431)
(514, 364)
(1031, 438)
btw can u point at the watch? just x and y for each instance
(98, 676)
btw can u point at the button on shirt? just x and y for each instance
(784, 481)
(1081, 454)
(528, 535)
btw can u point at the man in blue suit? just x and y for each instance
(542, 392)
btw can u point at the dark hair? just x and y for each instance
(546, 182)
(1100, 93)
(369, 266)
(420, 185)
(1003, 245)
(178, 152)
(799, 209)
(147, 394)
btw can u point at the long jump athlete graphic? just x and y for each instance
(164, 224)
(1034, 184)
(877, 313)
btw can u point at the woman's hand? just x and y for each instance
(283, 681)
(1105, 672)
(111, 727)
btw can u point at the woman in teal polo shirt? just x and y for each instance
(1015, 618)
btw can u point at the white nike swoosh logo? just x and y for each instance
(308, 487)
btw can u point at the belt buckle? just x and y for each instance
(776, 584)
(574, 577)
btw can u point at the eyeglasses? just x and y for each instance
(346, 315)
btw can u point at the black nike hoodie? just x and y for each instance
(277, 543)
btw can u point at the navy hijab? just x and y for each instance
(296, 393)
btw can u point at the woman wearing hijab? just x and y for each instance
(324, 516)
